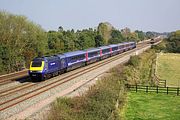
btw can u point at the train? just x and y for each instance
(155, 40)
(42, 68)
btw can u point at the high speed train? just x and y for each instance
(42, 68)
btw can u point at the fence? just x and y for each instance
(157, 89)
(159, 81)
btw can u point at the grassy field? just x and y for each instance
(168, 68)
(142, 106)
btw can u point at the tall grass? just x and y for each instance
(139, 69)
(100, 102)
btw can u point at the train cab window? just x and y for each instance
(36, 64)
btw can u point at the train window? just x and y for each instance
(105, 51)
(36, 64)
(121, 46)
(92, 54)
(114, 48)
(75, 58)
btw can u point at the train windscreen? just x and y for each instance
(36, 64)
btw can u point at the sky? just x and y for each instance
(145, 15)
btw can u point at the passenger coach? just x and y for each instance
(92, 55)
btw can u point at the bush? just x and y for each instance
(99, 103)
(134, 61)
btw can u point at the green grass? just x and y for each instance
(143, 106)
(168, 68)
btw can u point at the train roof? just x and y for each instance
(132, 42)
(113, 45)
(44, 58)
(69, 54)
(92, 49)
(104, 47)
(61, 55)
(124, 43)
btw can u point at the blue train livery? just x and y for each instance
(49, 66)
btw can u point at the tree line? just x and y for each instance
(21, 40)
(170, 44)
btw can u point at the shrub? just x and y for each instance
(98, 103)
(134, 61)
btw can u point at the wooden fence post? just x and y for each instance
(147, 89)
(177, 91)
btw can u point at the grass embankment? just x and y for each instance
(104, 100)
(99, 103)
(168, 68)
(139, 69)
(143, 106)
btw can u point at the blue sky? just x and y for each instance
(146, 15)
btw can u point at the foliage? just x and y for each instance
(116, 37)
(20, 39)
(151, 34)
(99, 41)
(139, 69)
(134, 61)
(161, 47)
(140, 35)
(141, 106)
(174, 42)
(105, 30)
(99, 103)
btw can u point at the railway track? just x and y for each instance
(5, 79)
(12, 75)
(35, 89)
(23, 75)
(14, 101)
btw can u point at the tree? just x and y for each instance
(99, 41)
(174, 42)
(17, 36)
(116, 37)
(105, 29)
(140, 35)
(60, 29)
